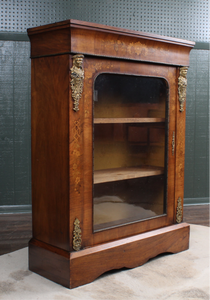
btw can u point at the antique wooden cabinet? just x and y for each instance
(108, 144)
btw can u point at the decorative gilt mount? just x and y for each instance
(179, 210)
(182, 86)
(77, 78)
(77, 239)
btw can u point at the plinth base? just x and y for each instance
(72, 269)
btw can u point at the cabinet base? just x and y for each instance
(72, 269)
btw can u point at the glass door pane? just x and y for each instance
(130, 132)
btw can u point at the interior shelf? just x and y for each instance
(128, 120)
(109, 175)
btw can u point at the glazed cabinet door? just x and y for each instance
(129, 129)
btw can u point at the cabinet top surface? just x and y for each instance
(71, 23)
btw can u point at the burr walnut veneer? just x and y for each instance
(108, 144)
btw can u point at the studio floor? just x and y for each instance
(182, 276)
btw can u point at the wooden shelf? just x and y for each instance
(128, 120)
(109, 175)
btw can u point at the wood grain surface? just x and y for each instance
(50, 149)
(109, 175)
(81, 267)
(74, 36)
(127, 120)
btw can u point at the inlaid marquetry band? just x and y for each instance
(173, 143)
(179, 210)
(77, 79)
(76, 155)
(182, 87)
(77, 238)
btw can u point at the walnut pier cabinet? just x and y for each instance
(108, 144)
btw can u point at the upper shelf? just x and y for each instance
(128, 120)
(110, 175)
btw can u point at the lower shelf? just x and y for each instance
(72, 269)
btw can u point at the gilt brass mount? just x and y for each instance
(77, 238)
(182, 86)
(179, 210)
(77, 78)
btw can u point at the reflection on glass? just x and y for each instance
(129, 149)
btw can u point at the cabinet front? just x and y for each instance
(132, 161)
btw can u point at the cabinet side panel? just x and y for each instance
(50, 78)
(50, 42)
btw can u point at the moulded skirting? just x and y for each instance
(196, 201)
(11, 209)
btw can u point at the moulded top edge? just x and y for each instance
(71, 23)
